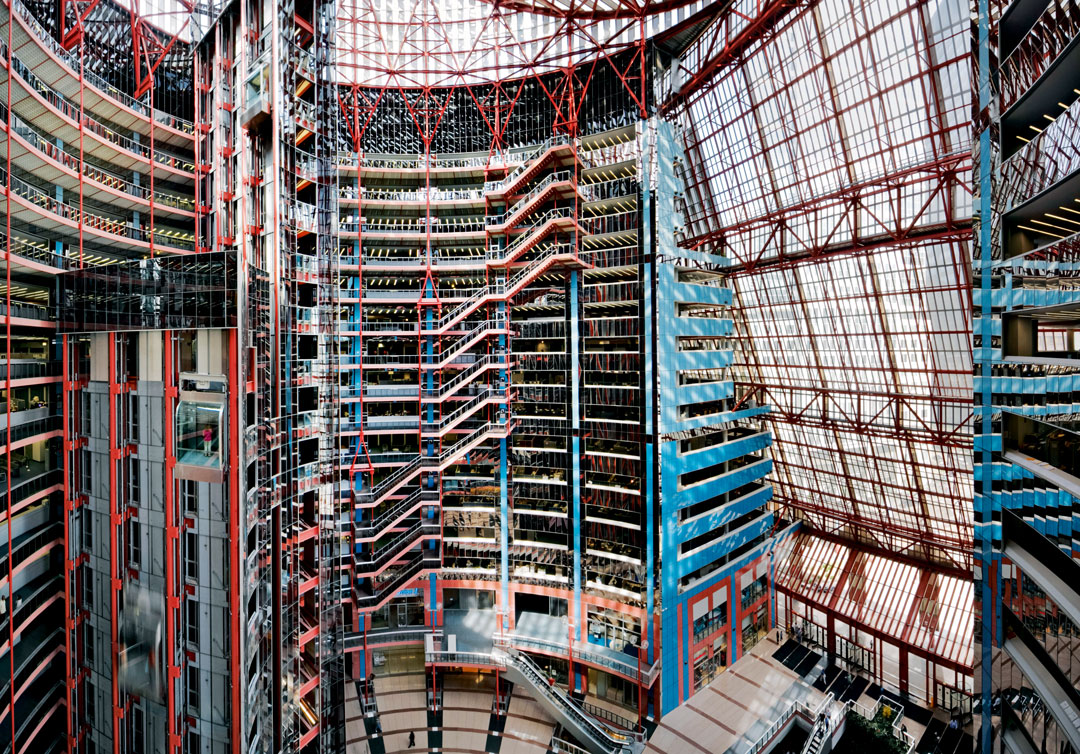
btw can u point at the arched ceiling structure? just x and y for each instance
(438, 44)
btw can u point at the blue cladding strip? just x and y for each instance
(676, 614)
(650, 555)
(575, 613)
(504, 534)
(575, 421)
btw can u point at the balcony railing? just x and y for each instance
(110, 225)
(72, 61)
(1049, 157)
(1052, 32)
(91, 171)
(73, 112)
(26, 311)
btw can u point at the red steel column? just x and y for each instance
(233, 471)
(115, 521)
(7, 387)
(172, 536)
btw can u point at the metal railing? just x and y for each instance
(72, 61)
(110, 225)
(465, 376)
(95, 173)
(583, 653)
(823, 727)
(434, 194)
(446, 422)
(897, 727)
(435, 225)
(508, 253)
(606, 739)
(420, 162)
(366, 530)
(528, 157)
(499, 290)
(409, 571)
(777, 725)
(463, 344)
(560, 176)
(37, 252)
(75, 113)
(1048, 37)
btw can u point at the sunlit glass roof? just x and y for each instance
(413, 44)
(830, 165)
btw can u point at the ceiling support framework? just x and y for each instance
(833, 175)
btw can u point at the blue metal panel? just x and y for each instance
(702, 327)
(687, 564)
(681, 463)
(669, 293)
(675, 499)
(504, 534)
(720, 516)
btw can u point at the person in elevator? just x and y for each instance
(207, 440)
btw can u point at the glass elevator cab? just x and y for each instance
(200, 428)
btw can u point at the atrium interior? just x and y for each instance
(537, 377)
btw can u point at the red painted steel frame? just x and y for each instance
(7, 408)
(233, 473)
(173, 593)
(791, 241)
(116, 520)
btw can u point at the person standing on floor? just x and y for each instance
(412, 739)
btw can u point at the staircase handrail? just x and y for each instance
(462, 344)
(551, 178)
(388, 517)
(487, 392)
(373, 497)
(452, 385)
(387, 553)
(527, 158)
(505, 254)
(615, 742)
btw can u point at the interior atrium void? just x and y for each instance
(545, 376)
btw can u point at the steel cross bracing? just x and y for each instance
(473, 42)
(828, 158)
(523, 243)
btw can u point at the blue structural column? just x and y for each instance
(428, 379)
(649, 387)
(575, 440)
(983, 487)
(502, 312)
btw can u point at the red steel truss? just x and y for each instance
(828, 157)
(428, 44)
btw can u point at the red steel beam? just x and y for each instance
(172, 536)
(233, 472)
(115, 524)
(724, 49)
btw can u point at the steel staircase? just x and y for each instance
(535, 195)
(523, 171)
(823, 726)
(369, 531)
(597, 738)
(446, 423)
(463, 378)
(401, 550)
(377, 562)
